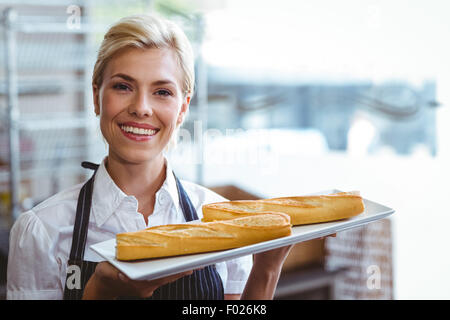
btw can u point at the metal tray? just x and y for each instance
(160, 267)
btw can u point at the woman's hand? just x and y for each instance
(108, 282)
(330, 235)
(272, 260)
(265, 273)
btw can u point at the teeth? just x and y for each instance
(147, 132)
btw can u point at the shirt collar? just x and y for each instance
(107, 196)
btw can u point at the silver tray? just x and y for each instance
(161, 267)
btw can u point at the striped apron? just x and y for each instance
(204, 284)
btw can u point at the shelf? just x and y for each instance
(45, 86)
(58, 27)
(51, 53)
(28, 174)
(57, 121)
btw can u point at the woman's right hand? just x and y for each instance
(108, 282)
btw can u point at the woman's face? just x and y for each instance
(140, 103)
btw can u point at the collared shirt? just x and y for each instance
(41, 238)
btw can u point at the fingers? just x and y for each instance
(106, 271)
(272, 258)
(330, 235)
(118, 282)
(145, 288)
(175, 277)
(159, 281)
(123, 277)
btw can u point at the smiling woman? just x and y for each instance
(142, 85)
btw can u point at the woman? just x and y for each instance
(142, 85)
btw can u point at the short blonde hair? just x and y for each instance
(148, 32)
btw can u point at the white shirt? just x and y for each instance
(41, 238)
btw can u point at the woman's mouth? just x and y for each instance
(138, 133)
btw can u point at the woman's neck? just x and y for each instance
(141, 180)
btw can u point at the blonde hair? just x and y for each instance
(147, 32)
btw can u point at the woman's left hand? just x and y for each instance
(265, 273)
(330, 235)
(266, 270)
(273, 259)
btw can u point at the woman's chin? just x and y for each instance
(134, 157)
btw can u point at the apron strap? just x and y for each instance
(189, 212)
(90, 165)
(83, 213)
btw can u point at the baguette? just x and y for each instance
(302, 210)
(180, 239)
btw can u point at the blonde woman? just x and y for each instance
(142, 84)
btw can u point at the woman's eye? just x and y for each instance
(121, 87)
(163, 93)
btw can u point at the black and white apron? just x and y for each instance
(204, 284)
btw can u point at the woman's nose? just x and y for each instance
(141, 106)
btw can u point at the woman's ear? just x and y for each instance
(96, 95)
(184, 110)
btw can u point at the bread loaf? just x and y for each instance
(302, 210)
(179, 239)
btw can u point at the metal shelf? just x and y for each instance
(28, 174)
(52, 121)
(46, 80)
(44, 86)
(50, 53)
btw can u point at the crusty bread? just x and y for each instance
(302, 210)
(179, 239)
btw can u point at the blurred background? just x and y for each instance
(292, 98)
